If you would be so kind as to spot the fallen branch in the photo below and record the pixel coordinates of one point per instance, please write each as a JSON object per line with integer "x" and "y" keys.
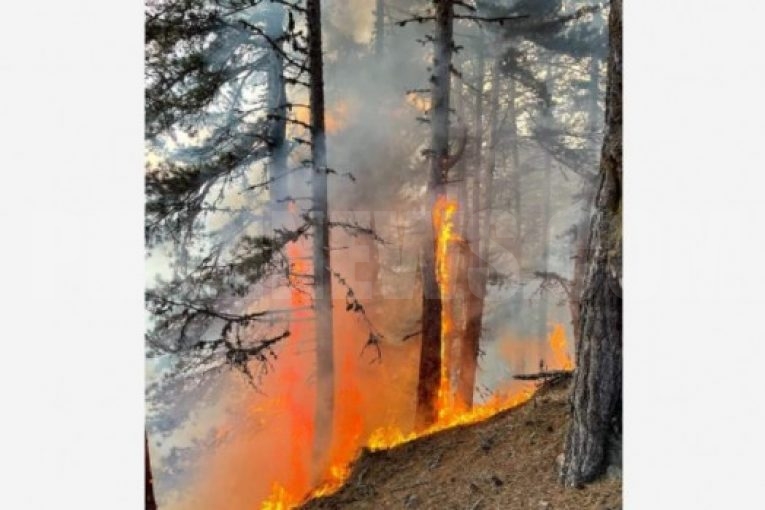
{"x": 546, "y": 375}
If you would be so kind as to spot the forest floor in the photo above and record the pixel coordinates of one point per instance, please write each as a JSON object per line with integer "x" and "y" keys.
{"x": 509, "y": 461}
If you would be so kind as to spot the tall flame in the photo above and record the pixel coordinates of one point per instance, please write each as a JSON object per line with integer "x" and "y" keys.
{"x": 443, "y": 225}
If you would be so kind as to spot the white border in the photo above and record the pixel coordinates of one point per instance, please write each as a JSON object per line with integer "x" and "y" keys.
{"x": 72, "y": 258}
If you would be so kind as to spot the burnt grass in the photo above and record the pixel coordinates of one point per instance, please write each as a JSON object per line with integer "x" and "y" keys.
{"x": 509, "y": 461}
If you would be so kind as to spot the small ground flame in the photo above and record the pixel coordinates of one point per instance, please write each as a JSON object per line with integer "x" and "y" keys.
{"x": 388, "y": 437}
{"x": 279, "y": 499}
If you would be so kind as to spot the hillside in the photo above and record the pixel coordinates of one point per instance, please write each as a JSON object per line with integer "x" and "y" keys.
{"x": 505, "y": 462}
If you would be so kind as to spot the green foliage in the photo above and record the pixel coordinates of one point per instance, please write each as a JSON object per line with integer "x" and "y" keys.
{"x": 208, "y": 65}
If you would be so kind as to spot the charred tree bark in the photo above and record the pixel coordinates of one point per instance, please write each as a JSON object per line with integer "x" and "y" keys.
{"x": 325, "y": 394}
{"x": 151, "y": 502}
{"x": 593, "y": 440}
{"x": 430, "y": 351}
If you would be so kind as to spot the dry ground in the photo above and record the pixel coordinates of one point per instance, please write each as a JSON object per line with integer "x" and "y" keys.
{"x": 506, "y": 462}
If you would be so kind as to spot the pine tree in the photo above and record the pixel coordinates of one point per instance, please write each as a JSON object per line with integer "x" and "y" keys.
{"x": 205, "y": 63}
{"x": 594, "y": 434}
{"x": 322, "y": 274}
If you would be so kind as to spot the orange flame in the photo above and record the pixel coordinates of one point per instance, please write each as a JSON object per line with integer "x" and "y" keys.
{"x": 560, "y": 349}
{"x": 388, "y": 437}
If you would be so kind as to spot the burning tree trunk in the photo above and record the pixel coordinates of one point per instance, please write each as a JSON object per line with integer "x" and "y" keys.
{"x": 322, "y": 276}
{"x": 430, "y": 351}
{"x": 595, "y": 430}
{"x": 151, "y": 503}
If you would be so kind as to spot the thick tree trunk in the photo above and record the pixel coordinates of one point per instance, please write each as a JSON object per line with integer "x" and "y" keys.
{"x": 593, "y": 440}
{"x": 321, "y": 253}
{"x": 430, "y": 351}
{"x": 588, "y": 194}
{"x": 151, "y": 503}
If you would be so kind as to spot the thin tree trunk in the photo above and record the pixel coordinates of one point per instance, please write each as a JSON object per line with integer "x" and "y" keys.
{"x": 321, "y": 253}
{"x": 474, "y": 293}
{"x": 372, "y": 269}
{"x": 544, "y": 300}
{"x": 379, "y": 27}
{"x": 461, "y": 282}
{"x": 430, "y": 351}
{"x": 277, "y": 105}
{"x": 516, "y": 302}
{"x": 594, "y": 436}
{"x": 151, "y": 502}
{"x": 545, "y": 235}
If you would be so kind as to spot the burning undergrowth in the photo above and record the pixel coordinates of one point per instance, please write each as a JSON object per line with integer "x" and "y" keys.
{"x": 263, "y": 458}
{"x": 505, "y": 461}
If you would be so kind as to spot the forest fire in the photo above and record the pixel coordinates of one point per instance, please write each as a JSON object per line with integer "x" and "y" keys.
{"x": 349, "y": 429}
{"x": 389, "y": 437}
{"x": 378, "y": 349}
{"x": 385, "y": 438}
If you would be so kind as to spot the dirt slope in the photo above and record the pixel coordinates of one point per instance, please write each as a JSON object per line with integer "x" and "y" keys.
{"x": 506, "y": 462}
